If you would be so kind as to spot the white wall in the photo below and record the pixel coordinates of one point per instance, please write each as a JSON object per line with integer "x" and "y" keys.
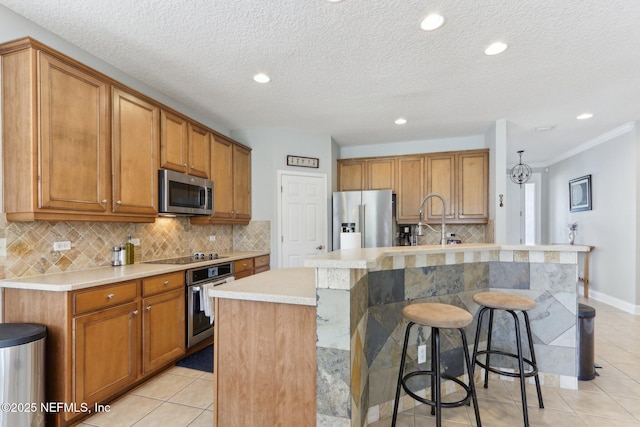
{"x": 612, "y": 224}
{"x": 414, "y": 147}
{"x": 496, "y": 141}
{"x": 270, "y": 148}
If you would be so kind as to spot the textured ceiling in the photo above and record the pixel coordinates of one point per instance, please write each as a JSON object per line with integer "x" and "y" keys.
{"x": 349, "y": 69}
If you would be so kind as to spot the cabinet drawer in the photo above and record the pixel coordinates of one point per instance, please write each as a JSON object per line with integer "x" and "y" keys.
{"x": 261, "y": 269}
{"x": 104, "y": 297}
{"x": 242, "y": 265}
{"x": 164, "y": 282}
{"x": 261, "y": 261}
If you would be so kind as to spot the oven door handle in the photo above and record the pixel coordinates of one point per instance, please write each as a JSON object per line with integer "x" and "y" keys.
{"x": 195, "y": 289}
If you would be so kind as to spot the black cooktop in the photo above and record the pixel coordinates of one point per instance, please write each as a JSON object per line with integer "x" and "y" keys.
{"x": 199, "y": 257}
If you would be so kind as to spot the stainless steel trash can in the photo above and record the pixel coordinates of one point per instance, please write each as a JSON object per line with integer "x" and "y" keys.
{"x": 22, "y": 374}
{"x": 586, "y": 324}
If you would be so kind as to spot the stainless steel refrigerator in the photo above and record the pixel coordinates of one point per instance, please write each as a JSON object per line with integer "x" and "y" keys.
{"x": 370, "y": 213}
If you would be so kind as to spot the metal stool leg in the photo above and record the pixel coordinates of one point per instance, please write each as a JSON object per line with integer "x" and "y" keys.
{"x": 470, "y": 372}
{"x": 477, "y": 341}
{"x": 436, "y": 332}
{"x": 533, "y": 358}
{"x": 488, "y": 362}
{"x": 433, "y": 369}
{"x": 523, "y": 390}
{"x": 404, "y": 354}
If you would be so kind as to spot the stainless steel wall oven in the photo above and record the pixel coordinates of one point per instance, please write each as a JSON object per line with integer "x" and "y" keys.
{"x": 199, "y": 325}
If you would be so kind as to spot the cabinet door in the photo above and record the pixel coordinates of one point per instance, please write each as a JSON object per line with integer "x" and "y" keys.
{"x": 222, "y": 177}
{"x": 105, "y": 347}
{"x": 410, "y": 189}
{"x": 241, "y": 183}
{"x": 352, "y": 175}
{"x": 473, "y": 185}
{"x": 173, "y": 142}
{"x": 135, "y": 142}
{"x": 381, "y": 174}
{"x": 441, "y": 174}
{"x": 163, "y": 329}
{"x": 199, "y": 151}
{"x": 74, "y": 150}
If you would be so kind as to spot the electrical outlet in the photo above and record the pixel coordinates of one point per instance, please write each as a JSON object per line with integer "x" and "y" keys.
{"x": 212, "y": 238}
{"x": 422, "y": 353}
{"x": 136, "y": 242}
{"x": 62, "y": 246}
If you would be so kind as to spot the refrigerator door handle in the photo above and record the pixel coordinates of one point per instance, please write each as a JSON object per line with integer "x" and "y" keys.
{"x": 363, "y": 224}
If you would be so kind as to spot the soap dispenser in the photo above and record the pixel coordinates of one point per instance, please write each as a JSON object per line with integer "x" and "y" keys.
{"x": 128, "y": 247}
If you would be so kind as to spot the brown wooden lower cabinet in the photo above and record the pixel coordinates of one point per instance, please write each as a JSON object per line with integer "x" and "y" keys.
{"x": 104, "y": 340}
{"x": 250, "y": 266}
{"x": 264, "y": 364}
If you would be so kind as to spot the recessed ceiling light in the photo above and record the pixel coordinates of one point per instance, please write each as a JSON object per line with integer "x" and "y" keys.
{"x": 261, "y": 78}
{"x": 495, "y": 48}
{"x": 432, "y": 22}
{"x": 584, "y": 116}
{"x": 400, "y": 121}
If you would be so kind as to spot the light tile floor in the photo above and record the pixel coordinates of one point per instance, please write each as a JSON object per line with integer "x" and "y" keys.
{"x": 184, "y": 397}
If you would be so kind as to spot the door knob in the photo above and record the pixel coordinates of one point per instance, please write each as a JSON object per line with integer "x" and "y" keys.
{"x": 320, "y": 248}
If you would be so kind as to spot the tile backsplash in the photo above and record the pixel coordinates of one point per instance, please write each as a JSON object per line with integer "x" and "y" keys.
{"x": 26, "y": 248}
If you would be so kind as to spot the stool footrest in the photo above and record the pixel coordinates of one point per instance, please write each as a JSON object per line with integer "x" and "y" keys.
{"x": 429, "y": 402}
{"x": 531, "y": 373}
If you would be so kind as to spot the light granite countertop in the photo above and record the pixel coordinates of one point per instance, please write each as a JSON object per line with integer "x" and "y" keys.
{"x": 369, "y": 257}
{"x": 74, "y": 280}
{"x": 285, "y": 286}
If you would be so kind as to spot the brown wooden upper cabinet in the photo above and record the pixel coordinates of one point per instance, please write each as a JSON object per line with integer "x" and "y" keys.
{"x": 463, "y": 180}
{"x": 184, "y": 146}
{"x": 367, "y": 174}
{"x": 135, "y": 174}
{"x": 410, "y": 188}
{"x": 461, "y": 177}
{"x": 231, "y": 176}
{"x": 72, "y": 146}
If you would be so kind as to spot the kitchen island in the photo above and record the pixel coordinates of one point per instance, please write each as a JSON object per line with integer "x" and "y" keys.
{"x": 361, "y": 292}
{"x": 265, "y": 349}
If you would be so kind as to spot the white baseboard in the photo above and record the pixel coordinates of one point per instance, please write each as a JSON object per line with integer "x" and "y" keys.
{"x": 614, "y": 302}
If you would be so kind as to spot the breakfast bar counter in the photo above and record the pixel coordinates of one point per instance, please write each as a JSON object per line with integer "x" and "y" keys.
{"x": 361, "y": 293}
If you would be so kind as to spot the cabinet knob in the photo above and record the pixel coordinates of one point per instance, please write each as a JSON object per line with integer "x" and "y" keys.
{"x": 104, "y": 201}
{"x": 119, "y": 202}
{"x": 135, "y": 312}
{"x": 166, "y": 282}
{"x": 193, "y": 167}
{"x": 110, "y": 296}
{"x": 148, "y": 308}
{"x": 184, "y": 165}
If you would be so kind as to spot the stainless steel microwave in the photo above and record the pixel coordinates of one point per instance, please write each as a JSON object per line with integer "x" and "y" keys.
{"x": 182, "y": 194}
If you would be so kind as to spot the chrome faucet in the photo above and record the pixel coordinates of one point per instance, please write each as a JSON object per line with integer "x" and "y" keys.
{"x": 443, "y": 238}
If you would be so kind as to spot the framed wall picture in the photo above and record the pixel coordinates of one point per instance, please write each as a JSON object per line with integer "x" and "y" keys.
{"x": 580, "y": 194}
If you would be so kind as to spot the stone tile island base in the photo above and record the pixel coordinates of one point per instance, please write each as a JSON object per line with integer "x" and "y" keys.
{"x": 361, "y": 293}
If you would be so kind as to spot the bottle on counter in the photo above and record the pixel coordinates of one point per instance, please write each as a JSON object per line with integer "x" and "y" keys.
{"x": 128, "y": 248}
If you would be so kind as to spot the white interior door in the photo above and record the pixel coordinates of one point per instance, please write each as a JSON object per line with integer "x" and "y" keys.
{"x": 302, "y": 217}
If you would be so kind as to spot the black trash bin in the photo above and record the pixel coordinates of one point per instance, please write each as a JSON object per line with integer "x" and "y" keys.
{"x": 22, "y": 374}
{"x": 586, "y": 324}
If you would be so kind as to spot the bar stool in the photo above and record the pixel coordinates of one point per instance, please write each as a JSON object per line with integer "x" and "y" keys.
{"x": 436, "y": 316}
{"x": 511, "y": 303}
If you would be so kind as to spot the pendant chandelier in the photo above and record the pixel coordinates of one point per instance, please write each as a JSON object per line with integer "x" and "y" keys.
{"x": 521, "y": 172}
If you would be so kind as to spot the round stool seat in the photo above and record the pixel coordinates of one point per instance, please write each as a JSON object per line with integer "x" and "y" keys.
{"x": 437, "y": 315}
{"x": 504, "y": 301}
